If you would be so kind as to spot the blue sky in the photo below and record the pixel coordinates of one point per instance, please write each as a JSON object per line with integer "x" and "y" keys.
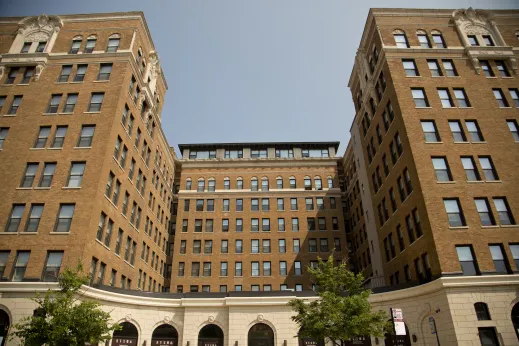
{"x": 241, "y": 70}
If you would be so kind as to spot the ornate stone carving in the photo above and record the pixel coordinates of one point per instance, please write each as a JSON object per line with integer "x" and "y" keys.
{"x": 477, "y": 67}
{"x": 513, "y": 62}
{"x": 38, "y": 36}
{"x": 128, "y": 318}
{"x": 41, "y": 22}
{"x": 210, "y": 319}
{"x": 142, "y": 97}
{"x": 167, "y": 319}
{"x": 2, "y": 71}
{"x": 471, "y": 16}
{"x": 38, "y": 71}
{"x": 260, "y": 318}
{"x": 476, "y": 30}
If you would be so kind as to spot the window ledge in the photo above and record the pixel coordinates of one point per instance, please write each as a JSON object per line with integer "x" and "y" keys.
{"x": 509, "y": 226}
{"x": 9, "y": 115}
{"x": 24, "y": 188}
{"x": 73, "y": 82}
{"x": 506, "y": 107}
{"x": 99, "y": 112}
{"x": 66, "y": 113}
{"x": 413, "y": 76}
{"x": 55, "y": 148}
{"x": 480, "y": 142}
{"x": 101, "y": 81}
{"x": 459, "y": 227}
{"x": 71, "y": 187}
{"x": 36, "y": 148}
{"x": 42, "y": 188}
{"x": 63, "y": 233}
{"x": 475, "y": 181}
{"x": 434, "y": 142}
{"x": 493, "y": 181}
{"x": 446, "y": 182}
{"x": 461, "y": 142}
{"x": 49, "y": 113}
{"x": 82, "y": 148}
{"x": 490, "y": 227}
{"x": 423, "y": 107}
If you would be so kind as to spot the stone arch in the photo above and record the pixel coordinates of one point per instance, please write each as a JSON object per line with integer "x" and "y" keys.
{"x": 5, "y": 322}
{"x": 165, "y": 332}
{"x": 77, "y": 37}
{"x": 421, "y": 32}
{"x": 398, "y": 31}
{"x": 92, "y": 37}
{"x": 115, "y": 35}
{"x": 130, "y": 328}
{"x": 219, "y": 341}
{"x": 258, "y": 321}
{"x": 436, "y": 32}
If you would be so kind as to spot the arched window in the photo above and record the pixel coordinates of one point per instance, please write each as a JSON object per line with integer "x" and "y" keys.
{"x": 318, "y": 183}
{"x": 226, "y": 183}
{"x": 76, "y": 44}
{"x": 164, "y": 334}
{"x": 201, "y": 185}
{"x": 211, "y": 334}
{"x": 113, "y": 43}
{"x": 438, "y": 40}
{"x": 264, "y": 184}
{"x": 400, "y": 39}
{"x": 279, "y": 182}
{"x": 188, "y": 184}
{"x": 90, "y": 44}
{"x": 482, "y": 311}
{"x": 4, "y": 326}
{"x": 139, "y": 56}
{"x": 128, "y": 335}
{"x": 330, "y": 182}
{"x": 239, "y": 183}
{"x": 423, "y": 39}
{"x": 261, "y": 334}
{"x": 211, "y": 184}
{"x": 292, "y": 181}
{"x": 254, "y": 184}
{"x": 308, "y": 183}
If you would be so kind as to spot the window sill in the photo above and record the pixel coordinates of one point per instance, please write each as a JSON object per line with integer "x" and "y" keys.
{"x": 459, "y": 227}
{"x": 493, "y": 181}
{"x": 55, "y": 148}
{"x": 101, "y": 81}
{"x": 490, "y": 227}
{"x": 57, "y": 233}
{"x": 509, "y": 226}
{"x": 9, "y": 115}
{"x": 81, "y": 147}
{"x": 423, "y": 107}
{"x": 49, "y": 114}
{"x": 506, "y": 107}
{"x": 480, "y": 142}
{"x": 10, "y": 233}
{"x": 36, "y": 148}
{"x": 413, "y": 76}
{"x": 42, "y": 188}
{"x": 23, "y": 188}
{"x": 71, "y": 187}
{"x": 103, "y": 245}
{"x": 474, "y": 181}
{"x": 434, "y": 142}
{"x": 66, "y": 113}
{"x": 73, "y": 82}
{"x": 112, "y": 203}
{"x": 98, "y": 112}
{"x": 446, "y": 182}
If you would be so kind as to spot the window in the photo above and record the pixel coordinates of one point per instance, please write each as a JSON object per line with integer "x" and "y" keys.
{"x": 254, "y": 184}
{"x": 52, "y": 266}
{"x": 410, "y": 68}
{"x": 239, "y": 184}
{"x": 264, "y": 184}
{"x": 441, "y": 169}
{"x": 401, "y": 40}
{"x": 281, "y": 225}
{"x": 86, "y": 136}
{"x": 293, "y": 203}
{"x": 450, "y": 69}
{"x": 267, "y": 268}
{"x": 292, "y": 181}
{"x": 11, "y": 77}
{"x": 474, "y": 131}
{"x": 209, "y": 226}
{"x": 500, "y": 261}
{"x": 233, "y": 154}
{"x": 255, "y": 269}
{"x": 226, "y": 206}
{"x": 503, "y": 211}
{"x": 65, "y": 214}
{"x": 211, "y": 184}
{"x": 239, "y": 225}
{"x": 26, "y": 47}
{"x": 30, "y": 173}
{"x": 69, "y": 105}
{"x": 401, "y": 189}
{"x": 113, "y": 44}
{"x": 265, "y": 205}
{"x": 297, "y": 268}
{"x": 434, "y": 67}
{"x": 48, "y": 174}
{"x": 320, "y": 203}
{"x": 225, "y": 225}
{"x": 461, "y": 97}
{"x": 488, "y": 168}
{"x": 265, "y": 225}
{"x": 454, "y": 212}
{"x": 485, "y": 214}
{"x": 29, "y": 71}
{"x": 323, "y": 245}
{"x": 80, "y": 73}
{"x": 309, "y": 203}
{"x": 15, "y": 218}
{"x": 238, "y": 271}
{"x": 104, "y": 72}
{"x": 90, "y": 44}
{"x": 420, "y": 100}
{"x": 310, "y": 224}
{"x": 430, "y": 132}
{"x": 333, "y": 203}
{"x": 261, "y": 153}
{"x": 282, "y": 246}
{"x": 445, "y": 98}
{"x": 438, "y": 40}
{"x": 208, "y": 247}
{"x": 514, "y": 248}
{"x": 4, "y": 257}
{"x": 76, "y": 44}
{"x": 500, "y": 98}
{"x": 118, "y": 242}
{"x": 487, "y": 70}
{"x": 512, "y": 125}
{"x": 22, "y": 259}
{"x": 76, "y": 174}
{"x": 238, "y": 246}
{"x": 501, "y": 67}
{"x": 473, "y": 41}
{"x": 295, "y": 224}
{"x": 265, "y": 246}
{"x": 296, "y": 246}
{"x": 457, "y": 131}
{"x": 314, "y": 153}
{"x": 488, "y": 336}
{"x": 424, "y": 40}
{"x": 5, "y": 130}
{"x": 466, "y": 258}
{"x": 312, "y": 245}
{"x": 96, "y": 101}
{"x": 321, "y": 221}
{"x": 195, "y": 269}
{"x": 17, "y": 100}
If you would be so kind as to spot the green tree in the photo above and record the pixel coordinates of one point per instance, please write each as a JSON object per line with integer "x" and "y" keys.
{"x": 61, "y": 319}
{"x": 342, "y": 311}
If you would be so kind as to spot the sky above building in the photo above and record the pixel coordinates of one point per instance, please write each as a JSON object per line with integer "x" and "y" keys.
{"x": 247, "y": 71}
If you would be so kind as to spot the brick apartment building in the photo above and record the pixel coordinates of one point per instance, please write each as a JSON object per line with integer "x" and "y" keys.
{"x": 86, "y": 169}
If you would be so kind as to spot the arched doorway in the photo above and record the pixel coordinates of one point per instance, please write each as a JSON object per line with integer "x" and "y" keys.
{"x": 127, "y": 336}
{"x": 398, "y": 340}
{"x": 308, "y": 341}
{"x": 210, "y": 335}
{"x": 4, "y": 327}
{"x": 261, "y": 334}
{"x": 515, "y": 319}
{"x": 164, "y": 334}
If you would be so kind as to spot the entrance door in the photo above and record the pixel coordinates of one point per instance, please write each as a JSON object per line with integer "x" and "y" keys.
{"x": 261, "y": 334}
{"x": 127, "y": 336}
{"x": 210, "y": 335}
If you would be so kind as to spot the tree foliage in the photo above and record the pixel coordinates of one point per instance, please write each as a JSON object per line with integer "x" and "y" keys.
{"x": 61, "y": 319}
{"x": 343, "y": 310}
